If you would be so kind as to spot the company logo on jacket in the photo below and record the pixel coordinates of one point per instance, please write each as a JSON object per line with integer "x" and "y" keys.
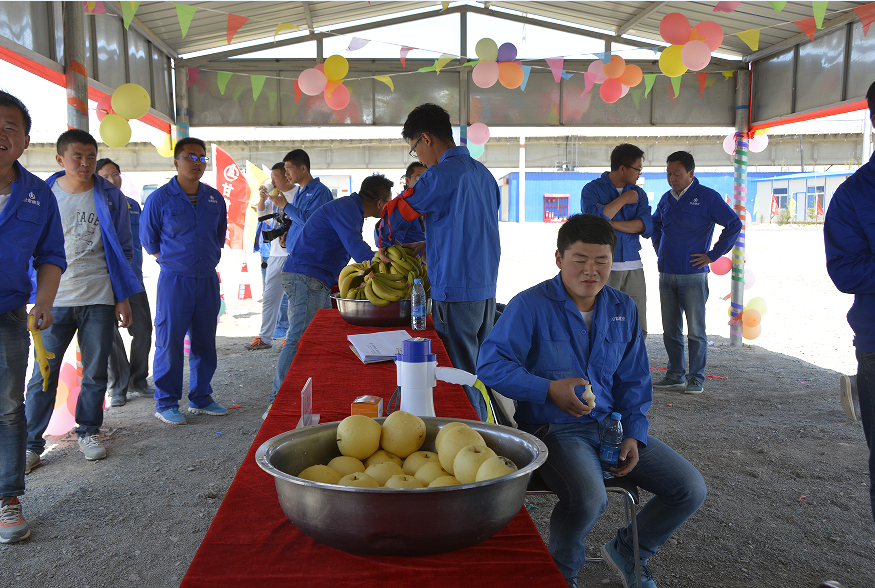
{"x": 618, "y": 318}
{"x": 31, "y": 199}
{"x": 695, "y": 202}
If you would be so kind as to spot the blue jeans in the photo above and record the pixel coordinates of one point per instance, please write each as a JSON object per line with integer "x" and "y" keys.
{"x": 282, "y": 319}
{"x": 96, "y": 325}
{"x": 462, "y": 326}
{"x": 573, "y": 472}
{"x": 14, "y": 343}
{"x": 306, "y": 296}
{"x": 866, "y": 391}
{"x": 679, "y": 295}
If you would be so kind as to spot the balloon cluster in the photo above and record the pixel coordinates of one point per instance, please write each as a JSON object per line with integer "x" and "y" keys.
{"x": 615, "y": 77}
{"x": 327, "y": 78}
{"x": 751, "y": 317}
{"x": 756, "y": 143}
{"x": 690, "y": 47}
{"x": 127, "y": 102}
{"x": 478, "y": 135}
{"x": 164, "y": 145}
{"x": 497, "y": 64}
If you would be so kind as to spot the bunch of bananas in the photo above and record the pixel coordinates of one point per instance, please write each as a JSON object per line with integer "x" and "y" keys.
{"x": 380, "y": 282}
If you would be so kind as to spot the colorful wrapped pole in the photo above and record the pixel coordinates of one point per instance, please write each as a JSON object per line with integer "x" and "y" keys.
{"x": 742, "y": 125}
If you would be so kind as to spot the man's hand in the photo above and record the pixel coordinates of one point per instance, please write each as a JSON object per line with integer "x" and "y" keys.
{"x": 123, "y": 313}
{"x": 628, "y": 457}
{"x": 262, "y": 194}
{"x": 561, "y": 392}
{"x": 628, "y": 197}
{"x": 417, "y": 248}
{"x": 700, "y": 260}
{"x": 42, "y": 316}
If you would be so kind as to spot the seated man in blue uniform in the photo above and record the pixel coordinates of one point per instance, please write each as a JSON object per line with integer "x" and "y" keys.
{"x": 550, "y": 341}
{"x": 183, "y": 225}
{"x": 332, "y": 236}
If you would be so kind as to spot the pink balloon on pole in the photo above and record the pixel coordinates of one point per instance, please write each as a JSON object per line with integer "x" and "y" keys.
{"x": 729, "y": 144}
{"x": 749, "y": 279}
{"x": 758, "y": 143}
{"x": 595, "y": 68}
{"x": 721, "y": 266}
{"x": 696, "y": 55}
{"x": 611, "y": 90}
{"x": 485, "y": 74}
{"x": 478, "y": 133}
{"x": 312, "y": 81}
{"x": 710, "y": 32}
{"x": 674, "y": 28}
{"x": 339, "y": 97}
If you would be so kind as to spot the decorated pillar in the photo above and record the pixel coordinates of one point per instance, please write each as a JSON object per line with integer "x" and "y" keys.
{"x": 739, "y": 203}
{"x": 182, "y": 111}
{"x": 75, "y": 72}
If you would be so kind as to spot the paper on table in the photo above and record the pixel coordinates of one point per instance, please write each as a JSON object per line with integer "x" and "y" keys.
{"x": 380, "y": 346}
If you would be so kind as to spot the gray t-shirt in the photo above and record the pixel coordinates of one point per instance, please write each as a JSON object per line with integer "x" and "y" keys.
{"x": 86, "y": 281}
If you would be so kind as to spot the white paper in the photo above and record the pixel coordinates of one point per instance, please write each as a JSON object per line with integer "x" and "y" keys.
{"x": 380, "y": 346}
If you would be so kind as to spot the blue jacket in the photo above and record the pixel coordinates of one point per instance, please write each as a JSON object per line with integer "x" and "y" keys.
{"x": 538, "y": 339}
{"x": 331, "y": 236}
{"x": 137, "y": 262}
{"x": 307, "y": 200}
{"x": 601, "y": 191}
{"x": 684, "y": 227}
{"x": 460, "y": 200}
{"x": 115, "y": 230}
{"x": 30, "y": 235}
{"x": 405, "y": 232}
{"x": 188, "y": 241}
{"x": 849, "y": 237}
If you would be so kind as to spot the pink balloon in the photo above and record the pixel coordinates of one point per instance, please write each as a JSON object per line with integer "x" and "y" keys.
{"x": 104, "y": 107}
{"x": 758, "y": 143}
{"x": 696, "y": 55}
{"x": 312, "y": 81}
{"x": 339, "y": 98}
{"x": 478, "y": 133}
{"x": 710, "y": 32}
{"x": 611, "y": 90}
{"x": 625, "y": 90}
{"x": 595, "y": 68}
{"x": 721, "y": 266}
{"x": 749, "y": 278}
{"x": 485, "y": 74}
{"x": 674, "y": 28}
{"x": 61, "y": 421}
{"x": 729, "y": 144}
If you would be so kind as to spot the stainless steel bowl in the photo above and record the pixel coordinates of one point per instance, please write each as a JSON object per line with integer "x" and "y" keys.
{"x": 366, "y": 314}
{"x": 380, "y": 521}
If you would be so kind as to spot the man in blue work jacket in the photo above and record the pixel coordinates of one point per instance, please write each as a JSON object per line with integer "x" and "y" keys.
{"x": 406, "y": 231}
{"x": 331, "y": 236}
{"x": 616, "y": 197}
{"x": 683, "y": 226}
{"x": 849, "y": 237}
{"x": 550, "y": 341}
{"x": 92, "y": 298}
{"x": 30, "y": 236}
{"x": 183, "y": 225}
{"x": 459, "y": 200}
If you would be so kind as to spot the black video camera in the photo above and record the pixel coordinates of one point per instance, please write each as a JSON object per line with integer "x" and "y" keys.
{"x": 284, "y": 224}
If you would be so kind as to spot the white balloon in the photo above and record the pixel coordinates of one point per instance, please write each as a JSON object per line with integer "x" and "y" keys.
{"x": 758, "y": 143}
{"x": 729, "y": 144}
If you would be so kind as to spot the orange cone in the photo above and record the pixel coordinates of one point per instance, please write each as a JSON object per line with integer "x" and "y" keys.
{"x": 245, "y": 290}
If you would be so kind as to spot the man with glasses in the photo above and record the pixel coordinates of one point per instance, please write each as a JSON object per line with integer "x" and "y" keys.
{"x": 616, "y": 197}
{"x": 183, "y": 225}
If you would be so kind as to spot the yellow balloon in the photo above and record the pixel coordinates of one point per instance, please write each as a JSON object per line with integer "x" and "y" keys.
{"x": 130, "y": 101}
{"x": 336, "y": 67}
{"x": 166, "y": 148}
{"x": 486, "y": 49}
{"x": 669, "y": 62}
{"x": 115, "y": 130}
{"x": 758, "y": 304}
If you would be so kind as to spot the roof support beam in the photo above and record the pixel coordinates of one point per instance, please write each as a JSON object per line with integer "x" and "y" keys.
{"x": 306, "y": 7}
{"x": 629, "y": 24}
{"x": 828, "y": 27}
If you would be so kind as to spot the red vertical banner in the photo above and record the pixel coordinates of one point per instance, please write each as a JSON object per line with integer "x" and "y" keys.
{"x": 818, "y": 209}
{"x": 235, "y": 189}
{"x": 774, "y": 208}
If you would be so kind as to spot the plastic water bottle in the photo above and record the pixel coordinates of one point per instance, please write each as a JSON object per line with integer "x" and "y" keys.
{"x": 417, "y": 306}
{"x": 609, "y": 451}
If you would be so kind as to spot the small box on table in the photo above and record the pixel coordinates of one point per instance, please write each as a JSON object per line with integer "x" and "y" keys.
{"x": 371, "y": 406}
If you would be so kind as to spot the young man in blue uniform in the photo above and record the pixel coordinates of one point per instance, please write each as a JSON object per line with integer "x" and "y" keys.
{"x": 683, "y": 225}
{"x": 30, "y": 236}
{"x": 129, "y": 377}
{"x": 184, "y": 224}
{"x": 332, "y": 235}
{"x": 616, "y": 197}
{"x": 550, "y": 341}
{"x": 849, "y": 237}
{"x": 459, "y": 200}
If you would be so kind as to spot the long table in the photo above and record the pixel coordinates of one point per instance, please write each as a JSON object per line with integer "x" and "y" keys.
{"x": 252, "y": 543}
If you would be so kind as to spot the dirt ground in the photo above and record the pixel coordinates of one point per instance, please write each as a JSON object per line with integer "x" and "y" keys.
{"x": 786, "y": 469}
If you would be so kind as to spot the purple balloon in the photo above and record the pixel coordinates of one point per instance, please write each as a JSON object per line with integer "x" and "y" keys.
{"x": 507, "y": 52}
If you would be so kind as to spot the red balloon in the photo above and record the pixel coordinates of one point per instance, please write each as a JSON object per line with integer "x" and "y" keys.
{"x": 710, "y": 32}
{"x": 674, "y": 28}
{"x": 721, "y": 266}
{"x": 339, "y": 97}
{"x": 104, "y": 107}
{"x": 611, "y": 90}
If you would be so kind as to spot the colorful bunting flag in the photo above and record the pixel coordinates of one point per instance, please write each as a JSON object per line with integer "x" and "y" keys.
{"x": 751, "y": 37}
{"x": 807, "y": 26}
{"x": 728, "y": 74}
{"x": 676, "y": 85}
{"x": 565, "y": 75}
{"x": 604, "y": 57}
{"x": 386, "y": 80}
{"x": 95, "y": 7}
{"x": 298, "y": 92}
{"x": 192, "y": 76}
{"x": 588, "y": 82}
{"x": 257, "y": 85}
{"x": 703, "y": 78}
{"x": 129, "y": 9}
{"x": 726, "y": 6}
{"x": 777, "y": 5}
{"x": 222, "y": 79}
{"x": 441, "y": 61}
{"x": 527, "y": 69}
{"x": 819, "y": 9}
{"x": 234, "y": 24}
{"x": 184, "y": 14}
{"x": 404, "y": 52}
{"x": 357, "y": 43}
{"x": 555, "y": 64}
{"x": 284, "y": 26}
{"x": 866, "y": 13}
{"x": 636, "y": 97}
{"x": 431, "y": 67}
{"x": 444, "y": 5}
{"x": 648, "y": 83}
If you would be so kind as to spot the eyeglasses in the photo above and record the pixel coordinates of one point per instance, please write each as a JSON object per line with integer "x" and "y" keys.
{"x": 412, "y": 151}
{"x": 195, "y": 158}
{"x": 108, "y": 176}
{"x": 638, "y": 169}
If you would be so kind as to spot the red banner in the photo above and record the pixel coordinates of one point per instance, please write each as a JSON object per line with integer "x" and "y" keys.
{"x": 774, "y": 209}
{"x": 234, "y": 188}
{"x": 818, "y": 208}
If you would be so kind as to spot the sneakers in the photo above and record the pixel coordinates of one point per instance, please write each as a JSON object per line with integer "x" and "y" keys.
{"x": 213, "y": 408}
{"x": 667, "y": 383}
{"x": 31, "y": 460}
{"x": 625, "y": 566}
{"x": 12, "y": 525}
{"x": 90, "y": 445}
{"x": 145, "y": 392}
{"x": 846, "y": 388}
{"x": 171, "y": 416}
{"x": 257, "y": 343}
{"x": 117, "y": 400}
{"x": 694, "y": 386}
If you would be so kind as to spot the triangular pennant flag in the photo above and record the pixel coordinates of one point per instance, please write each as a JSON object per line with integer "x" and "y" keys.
{"x": 298, "y": 92}
{"x": 404, "y": 52}
{"x": 237, "y": 91}
{"x": 648, "y": 83}
{"x": 636, "y": 97}
{"x": 777, "y": 5}
{"x": 444, "y": 59}
{"x": 656, "y": 51}
{"x": 703, "y": 78}
{"x": 284, "y": 26}
{"x": 676, "y": 85}
{"x": 184, "y": 14}
{"x": 751, "y": 37}
{"x": 429, "y": 68}
{"x": 866, "y": 13}
{"x": 234, "y": 24}
{"x": 257, "y": 85}
{"x": 565, "y": 75}
{"x": 445, "y": 5}
{"x": 819, "y": 9}
{"x": 471, "y": 63}
{"x": 357, "y": 43}
{"x": 527, "y": 69}
{"x": 192, "y": 76}
{"x": 726, "y": 6}
{"x": 386, "y": 80}
{"x": 710, "y": 83}
{"x": 807, "y": 26}
{"x": 588, "y": 82}
{"x": 604, "y": 57}
{"x": 555, "y": 64}
{"x": 257, "y": 172}
{"x": 95, "y": 7}
{"x": 129, "y": 9}
{"x": 222, "y": 79}
{"x": 728, "y": 74}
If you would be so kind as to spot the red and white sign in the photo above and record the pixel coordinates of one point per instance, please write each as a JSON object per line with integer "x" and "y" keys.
{"x": 235, "y": 189}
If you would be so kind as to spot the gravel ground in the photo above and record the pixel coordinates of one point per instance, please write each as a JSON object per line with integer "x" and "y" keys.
{"x": 786, "y": 470}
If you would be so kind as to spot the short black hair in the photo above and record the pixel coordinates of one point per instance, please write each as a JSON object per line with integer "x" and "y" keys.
{"x": 71, "y": 136}
{"x": 412, "y": 167}
{"x": 870, "y": 96}
{"x": 428, "y": 118}
{"x": 625, "y": 154}
{"x": 684, "y": 158}
{"x": 372, "y": 184}
{"x": 298, "y": 158}
{"x": 188, "y": 141}
{"x": 278, "y": 166}
{"x": 586, "y": 228}
{"x": 106, "y": 161}
{"x": 10, "y": 101}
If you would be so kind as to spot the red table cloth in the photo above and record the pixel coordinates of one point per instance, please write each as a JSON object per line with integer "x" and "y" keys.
{"x": 252, "y": 543}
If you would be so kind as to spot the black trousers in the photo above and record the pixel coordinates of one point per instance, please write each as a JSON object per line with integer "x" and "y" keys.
{"x": 123, "y": 373}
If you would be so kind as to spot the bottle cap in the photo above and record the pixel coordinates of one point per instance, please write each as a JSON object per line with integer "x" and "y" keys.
{"x": 417, "y": 281}
{"x": 616, "y": 416}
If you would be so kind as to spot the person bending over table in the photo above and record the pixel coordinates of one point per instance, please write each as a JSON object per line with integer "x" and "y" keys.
{"x": 550, "y": 341}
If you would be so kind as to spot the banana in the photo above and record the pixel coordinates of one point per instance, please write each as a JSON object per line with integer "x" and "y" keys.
{"x": 402, "y": 266}
{"x": 345, "y": 272}
{"x": 351, "y": 282}
{"x": 384, "y": 269}
{"x": 372, "y": 297}
{"x": 42, "y": 356}
{"x": 394, "y": 270}
{"x": 391, "y": 278}
{"x": 395, "y": 253}
{"x": 384, "y": 292}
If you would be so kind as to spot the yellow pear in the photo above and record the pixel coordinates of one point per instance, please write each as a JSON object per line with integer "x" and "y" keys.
{"x": 359, "y": 480}
{"x": 403, "y": 481}
{"x": 444, "y": 481}
{"x": 381, "y": 472}
{"x": 416, "y": 460}
{"x": 443, "y": 431}
{"x": 454, "y": 441}
{"x": 320, "y": 473}
{"x": 380, "y": 456}
{"x": 345, "y": 465}
{"x": 358, "y": 436}
{"x": 495, "y": 467}
{"x": 429, "y": 472}
{"x": 468, "y": 461}
{"x": 403, "y": 433}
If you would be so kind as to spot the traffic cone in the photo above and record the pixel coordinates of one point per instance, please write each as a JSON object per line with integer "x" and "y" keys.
{"x": 245, "y": 290}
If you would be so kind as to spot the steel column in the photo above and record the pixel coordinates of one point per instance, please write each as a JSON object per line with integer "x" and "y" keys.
{"x": 75, "y": 72}
{"x": 739, "y": 204}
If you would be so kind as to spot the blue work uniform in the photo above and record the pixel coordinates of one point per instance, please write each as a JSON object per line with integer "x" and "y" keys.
{"x": 600, "y": 192}
{"x": 135, "y": 212}
{"x": 307, "y": 200}
{"x": 405, "y": 232}
{"x": 189, "y": 243}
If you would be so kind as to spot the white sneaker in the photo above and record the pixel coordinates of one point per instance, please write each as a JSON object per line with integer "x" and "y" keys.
{"x": 90, "y": 445}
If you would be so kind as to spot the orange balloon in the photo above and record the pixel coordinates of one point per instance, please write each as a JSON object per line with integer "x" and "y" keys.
{"x": 751, "y": 318}
{"x": 751, "y": 332}
{"x": 615, "y": 68}
{"x": 510, "y": 74}
{"x": 632, "y": 76}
